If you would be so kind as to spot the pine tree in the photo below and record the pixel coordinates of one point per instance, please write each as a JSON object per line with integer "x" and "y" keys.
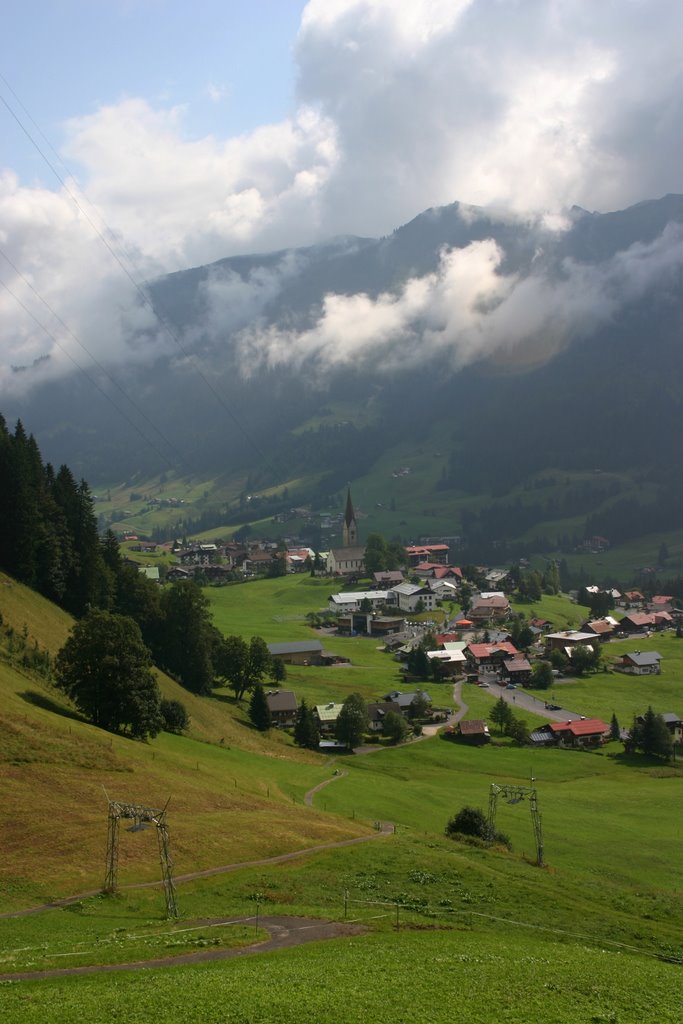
{"x": 259, "y": 712}
{"x": 614, "y": 730}
{"x": 501, "y": 714}
{"x": 306, "y": 732}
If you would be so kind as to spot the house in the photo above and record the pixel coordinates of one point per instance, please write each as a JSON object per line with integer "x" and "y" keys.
{"x": 451, "y": 659}
{"x": 489, "y": 607}
{"x": 675, "y": 725}
{"x": 497, "y": 578}
{"x": 602, "y": 628}
{"x": 567, "y": 639}
{"x": 543, "y": 737}
{"x": 631, "y": 599}
{"x": 387, "y": 578}
{"x": 177, "y": 575}
{"x": 326, "y": 716}
{"x": 582, "y": 732}
{"x": 640, "y": 663}
{"x": 517, "y": 670}
{"x": 437, "y": 571}
{"x": 378, "y": 711}
{"x": 637, "y": 622}
{"x": 354, "y": 623}
{"x": 490, "y": 657}
{"x": 443, "y": 590}
{"x": 282, "y": 706}
{"x": 661, "y": 603}
{"x": 410, "y": 597}
{"x": 404, "y": 700}
{"x": 475, "y": 732}
{"x": 299, "y": 652}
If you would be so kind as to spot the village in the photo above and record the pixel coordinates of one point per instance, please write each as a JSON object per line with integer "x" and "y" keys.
{"x": 440, "y": 626}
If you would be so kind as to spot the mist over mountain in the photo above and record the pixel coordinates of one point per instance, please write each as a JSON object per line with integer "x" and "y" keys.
{"x": 532, "y": 343}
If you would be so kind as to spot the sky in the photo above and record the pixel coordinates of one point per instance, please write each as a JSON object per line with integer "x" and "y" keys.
{"x": 182, "y": 134}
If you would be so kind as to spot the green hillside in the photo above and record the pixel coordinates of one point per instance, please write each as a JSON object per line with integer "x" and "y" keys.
{"x": 586, "y": 938}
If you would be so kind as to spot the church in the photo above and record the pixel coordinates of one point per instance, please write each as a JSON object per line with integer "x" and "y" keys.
{"x": 349, "y": 559}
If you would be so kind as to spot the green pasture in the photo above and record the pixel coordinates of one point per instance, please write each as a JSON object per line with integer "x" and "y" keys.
{"x": 556, "y": 608}
{"x": 604, "y": 693}
{"x": 489, "y": 931}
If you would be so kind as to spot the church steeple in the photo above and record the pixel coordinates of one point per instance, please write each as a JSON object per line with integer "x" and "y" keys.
{"x": 349, "y": 529}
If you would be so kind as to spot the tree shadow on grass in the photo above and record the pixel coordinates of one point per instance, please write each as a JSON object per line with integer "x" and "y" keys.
{"x": 41, "y": 700}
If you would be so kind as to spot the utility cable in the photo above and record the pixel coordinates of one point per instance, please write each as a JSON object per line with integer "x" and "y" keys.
{"x": 143, "y": 294}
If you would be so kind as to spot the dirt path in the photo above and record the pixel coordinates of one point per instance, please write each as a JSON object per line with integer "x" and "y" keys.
{"x": 207, "y": 873}
{"x": 431, "y": 730}
{"x": 308, "y": 798}
{"x": 285, "y": 932}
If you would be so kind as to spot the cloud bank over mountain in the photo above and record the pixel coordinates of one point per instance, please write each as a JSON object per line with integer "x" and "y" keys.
{"x": 529, "y": 107}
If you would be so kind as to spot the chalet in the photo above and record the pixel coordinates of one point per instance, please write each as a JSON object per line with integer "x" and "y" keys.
{"x": 497, "y": 578}
{"x": 451, "y": 660}
{"x": 640, "y": 663}
{"x": 177, "y": 575}
{"x": 404, "y": 700}
{"x": 387, "y": 578}
{"x": 517, "y": 670}
{"x": 410, "y": 597}
{"x": 378, "y": 711}
{"x": 489, "y": 607}
{"x": 443, "y": 590}
{"x": 475, "y": 732}
{"x": 631, "y": 599}
{"x": 674, "y": 724}
{"x": 603, "y": 629}
{"x": 637, "y": 622}
{"x": 258, "y": 561}
{"x": 326, "y": 716}
{"x": 581, "y": 732}
{"x": 282, "y": 706}
{"x": 437, "y": 571}
{"x": 490, "y": 657}
{"x": 661, "y": 603}
{"x": 299, "y": 652}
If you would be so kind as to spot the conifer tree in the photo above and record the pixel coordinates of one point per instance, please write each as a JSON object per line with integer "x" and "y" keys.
{"x": 259, "y": 712}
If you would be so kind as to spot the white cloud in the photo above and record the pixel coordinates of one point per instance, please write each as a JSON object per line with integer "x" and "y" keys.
{"x": 527, "y": 105}
{"x": 468, "y": 310}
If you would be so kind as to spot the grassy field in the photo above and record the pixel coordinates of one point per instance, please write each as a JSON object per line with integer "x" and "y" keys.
{"x": 491, "y": 932}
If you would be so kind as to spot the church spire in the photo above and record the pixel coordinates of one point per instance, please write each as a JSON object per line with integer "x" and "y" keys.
{"x": 349, "y": 529}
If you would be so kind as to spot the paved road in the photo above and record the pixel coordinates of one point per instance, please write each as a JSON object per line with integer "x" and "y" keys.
{"x": 523, "y": 699}
{"x": 284, "y": 932}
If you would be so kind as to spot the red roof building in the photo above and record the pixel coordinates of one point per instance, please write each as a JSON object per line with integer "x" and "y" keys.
{"x": 582, "y": 732}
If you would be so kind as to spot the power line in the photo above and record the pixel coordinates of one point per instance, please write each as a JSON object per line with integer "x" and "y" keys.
{"x": 180, "y": 458}
{"x": 139, "y": 289}
{"x": 85, "y": 373}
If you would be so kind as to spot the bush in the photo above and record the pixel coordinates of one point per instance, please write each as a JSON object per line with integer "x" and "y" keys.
{"x": 471, "y": 822}
{"x": 174, "y": 716}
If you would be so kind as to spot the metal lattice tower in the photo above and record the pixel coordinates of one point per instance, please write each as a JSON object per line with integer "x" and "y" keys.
{"x": 141, "y": 817}
{"x": 514, "y": 795}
